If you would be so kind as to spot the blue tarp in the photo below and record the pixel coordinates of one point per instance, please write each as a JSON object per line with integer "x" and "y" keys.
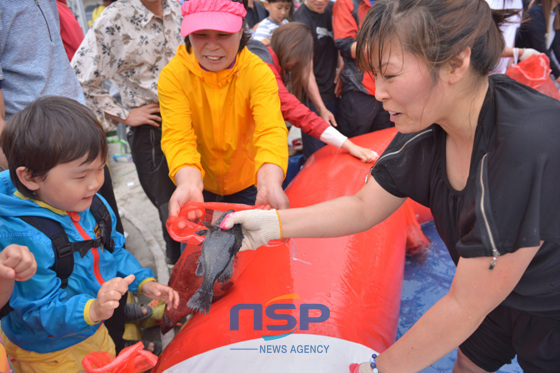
{"x": 427, "y": 278}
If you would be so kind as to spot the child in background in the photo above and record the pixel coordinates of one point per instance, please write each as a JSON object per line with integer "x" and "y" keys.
{"x": 55, "y": 174}
{"x": 278, "y": 11}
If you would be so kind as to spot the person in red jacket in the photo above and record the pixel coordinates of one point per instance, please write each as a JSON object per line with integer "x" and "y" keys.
{"x": 70, "y": 29}
{"x": 290, "y": 56}
{"x": 358, "y": 110}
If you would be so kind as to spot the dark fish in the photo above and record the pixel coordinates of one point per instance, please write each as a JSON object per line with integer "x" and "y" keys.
{"x": 216, "y": 261}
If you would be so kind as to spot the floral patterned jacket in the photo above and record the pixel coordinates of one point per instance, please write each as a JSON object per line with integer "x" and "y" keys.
{"x": 129, "y": 45}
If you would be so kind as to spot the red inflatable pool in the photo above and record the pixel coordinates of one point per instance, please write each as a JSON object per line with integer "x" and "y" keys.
{"x": 307, "y": 304}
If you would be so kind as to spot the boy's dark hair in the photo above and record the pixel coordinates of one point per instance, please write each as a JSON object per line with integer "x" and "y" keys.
{"x": 244, "y": 38}
{"x": 52, "y": 130}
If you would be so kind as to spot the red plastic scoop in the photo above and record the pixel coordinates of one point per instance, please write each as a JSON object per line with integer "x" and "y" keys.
{"x": 181, "y": 229}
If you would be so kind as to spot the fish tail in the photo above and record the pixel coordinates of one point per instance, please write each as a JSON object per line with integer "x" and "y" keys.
{"x": 200, "y": 301}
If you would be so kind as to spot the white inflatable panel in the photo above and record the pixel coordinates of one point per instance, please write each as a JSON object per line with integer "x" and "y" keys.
{"x": 296, "y": 353}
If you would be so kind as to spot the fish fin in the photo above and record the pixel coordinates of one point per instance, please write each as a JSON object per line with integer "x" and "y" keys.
{"x": 200, "y": 301}
{"x": 226, "y": 274}
{"x": 200, "y": 268}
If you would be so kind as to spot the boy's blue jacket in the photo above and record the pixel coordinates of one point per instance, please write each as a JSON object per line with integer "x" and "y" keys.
{"x": 47, "y": 318}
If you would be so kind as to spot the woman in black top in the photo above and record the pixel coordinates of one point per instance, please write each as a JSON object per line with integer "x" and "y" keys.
{"x": 482, "y": 152}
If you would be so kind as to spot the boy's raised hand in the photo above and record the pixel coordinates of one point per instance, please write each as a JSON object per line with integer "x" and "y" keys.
{"x": 17, "y": 262}
{"x": 108, "y": 298}
{"x": 164, "y": 293}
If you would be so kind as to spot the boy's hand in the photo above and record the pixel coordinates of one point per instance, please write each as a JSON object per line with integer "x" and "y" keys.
{"x": 17, "y": 262}
{"x": 108, "y": 298}
{"x": 157, "y": 291}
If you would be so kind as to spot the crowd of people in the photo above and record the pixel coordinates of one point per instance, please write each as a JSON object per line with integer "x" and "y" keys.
{"x": 206, "y": 89}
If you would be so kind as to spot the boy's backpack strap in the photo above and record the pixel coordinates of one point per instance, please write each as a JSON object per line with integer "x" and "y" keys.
{"x": 63, "y": 248}
{"x": 103, "y": 218}
{"x": 5, "y": 310}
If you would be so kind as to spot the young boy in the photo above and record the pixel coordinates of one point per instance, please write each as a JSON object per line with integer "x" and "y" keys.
{"x": 278, "y": 11}
{"x": 56, "y": 150}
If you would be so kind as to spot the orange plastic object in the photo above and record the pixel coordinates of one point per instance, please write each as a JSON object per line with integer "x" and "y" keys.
{"x": 358, "y": 278}
{"x": 535, "y": 73}
{"x": 181, "y": 229}
{"x": 132, "y": 359}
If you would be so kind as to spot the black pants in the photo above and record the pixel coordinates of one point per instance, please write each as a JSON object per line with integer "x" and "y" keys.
{"x": 246, "y": 196}
{"x": 109, "y": 194}
{"x": 114, "y": 325}
{"x": 507, "y": 332}
{"x": 310, "y": 143}
{"x": 153, "y": 174}
{"x": 359, "y": 113}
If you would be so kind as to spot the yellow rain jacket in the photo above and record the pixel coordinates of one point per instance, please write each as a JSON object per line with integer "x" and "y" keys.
{"x": 227, "y": 124}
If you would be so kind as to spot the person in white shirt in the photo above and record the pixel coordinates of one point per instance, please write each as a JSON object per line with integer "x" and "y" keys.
{"x": 130, "y": 43}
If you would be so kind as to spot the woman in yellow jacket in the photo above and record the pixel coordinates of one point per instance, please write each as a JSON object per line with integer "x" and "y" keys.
{"x": 223, "y": 131}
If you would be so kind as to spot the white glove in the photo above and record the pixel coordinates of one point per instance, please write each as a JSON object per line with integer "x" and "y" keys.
{"x": 524, "y": 53}
{"x": 259, "y": 227}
